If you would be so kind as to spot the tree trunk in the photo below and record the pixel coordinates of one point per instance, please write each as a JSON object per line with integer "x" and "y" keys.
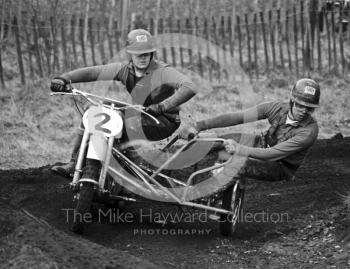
{"x": 2, "y": 80}
{"x": 2, "y": 36}
{"x": 56, "y": 62}
{"x": 124, "y": 18}
{"x": 36, "y": 45}
{"x": 19, "y": 51}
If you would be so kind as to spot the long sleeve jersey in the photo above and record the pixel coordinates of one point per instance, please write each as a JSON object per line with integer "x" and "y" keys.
{"x": 289, "y": 143}
{"x": 160, "y": 83}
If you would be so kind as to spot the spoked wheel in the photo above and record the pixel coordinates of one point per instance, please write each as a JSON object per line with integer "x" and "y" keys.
{"x": 232, "y": 201}
{"x": 86, "y": 194}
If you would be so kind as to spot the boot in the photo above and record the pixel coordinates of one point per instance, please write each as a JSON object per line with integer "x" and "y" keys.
{"x": 67, "y": 170}
{"x": 92, "y": 170}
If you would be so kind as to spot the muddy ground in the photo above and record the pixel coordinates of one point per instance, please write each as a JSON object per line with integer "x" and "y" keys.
{"x": 299, "y": 224}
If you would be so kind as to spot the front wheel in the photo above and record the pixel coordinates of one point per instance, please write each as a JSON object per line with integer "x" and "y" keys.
{"x": 232, "y": 201}
{"x": 82, "y": 209}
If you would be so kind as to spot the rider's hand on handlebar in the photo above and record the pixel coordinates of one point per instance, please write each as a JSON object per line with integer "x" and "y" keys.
{"x": 59, "y": 84}
{"x": 188, "y": 132}
{"x": 230, "y": 146}
{"x": 154, "y": 109}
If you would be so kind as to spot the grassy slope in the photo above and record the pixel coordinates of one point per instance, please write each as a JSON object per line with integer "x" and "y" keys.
{"x": 37, "y": 129}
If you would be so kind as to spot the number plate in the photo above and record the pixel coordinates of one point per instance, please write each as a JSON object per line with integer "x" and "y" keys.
{"x": 101, "y": 120}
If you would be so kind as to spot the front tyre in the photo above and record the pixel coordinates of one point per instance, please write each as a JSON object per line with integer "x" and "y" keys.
{"x": 86, "y": 194}
{"x": 232, "y": 201}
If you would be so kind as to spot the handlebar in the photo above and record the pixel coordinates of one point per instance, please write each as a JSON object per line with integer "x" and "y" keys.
{"x": 119, "y": 104}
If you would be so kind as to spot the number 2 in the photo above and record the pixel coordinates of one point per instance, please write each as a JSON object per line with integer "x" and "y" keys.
{"x": 106, "y": 118}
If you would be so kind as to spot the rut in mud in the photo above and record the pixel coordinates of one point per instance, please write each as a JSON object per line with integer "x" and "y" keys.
{"x": 296, "y": 224}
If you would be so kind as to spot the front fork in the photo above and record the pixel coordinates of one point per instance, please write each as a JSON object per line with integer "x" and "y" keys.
{"x": 105, "y": 161}
{"x": 105, "y": 164}
{"x": 81, "y": 157}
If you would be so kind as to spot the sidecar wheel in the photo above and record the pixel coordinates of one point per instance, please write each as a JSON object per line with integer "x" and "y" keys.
{"x": 83, "y": 206}
{"x": 232, "y": 201}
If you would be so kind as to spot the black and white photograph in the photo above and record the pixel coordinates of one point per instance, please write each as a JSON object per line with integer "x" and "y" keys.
{"x": 174, "y": 134}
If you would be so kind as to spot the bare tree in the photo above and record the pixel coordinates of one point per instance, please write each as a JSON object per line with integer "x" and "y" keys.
{"x": 2, "y": 42}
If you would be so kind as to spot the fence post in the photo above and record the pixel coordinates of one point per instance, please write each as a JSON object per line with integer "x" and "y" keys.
{"x": 248, "y": 44}
{"x": 287, "y": 41}
{"x": 206, "y": 34}
{"x": 296, "y": 41}
{"x": 82, "y": 42}
{"x": 199, "y": 45}
{"x": 100, "y": 40}
{"x": 318, "y": 36}
{"x": 161, "y": 31}
{"x": 223, "y": 40}
{"x": 334, "y": 41}
{"x": 72, "y": 37}
{"x": 265, "y": 42}
{"x": 239, "y": 41}
{"x": 92, "y": 40}
{"x": 307, "y": 52}
{"x": 19, "y": 51}
{"x": 36, "y": 44}
{"x": 215, "y": 37}
{"x": 341, "y": 40}
{"x": 109, "y": 38}
{"x": 302, "y": 30}
{"x": 255, "y": 47}
{"x": 328, "y": 41}
{"x": 230, "y": 35}
{"x": 272, "y": 40}
{"x": 2, "y": 80}
{"x": 280, "y": 37}
{"x": 189, "y": 39}
{"x": 151, "y": 26}
{"x": 180, "y": 41}
{"x": 172, "y": 48}
{"x": 116, "y": 36}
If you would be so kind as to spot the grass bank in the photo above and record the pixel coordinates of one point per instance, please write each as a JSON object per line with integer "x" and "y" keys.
{"x": 37, "y": 129}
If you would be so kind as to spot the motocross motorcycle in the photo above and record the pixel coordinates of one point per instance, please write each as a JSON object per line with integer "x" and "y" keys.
{"x": 124, "y": 178}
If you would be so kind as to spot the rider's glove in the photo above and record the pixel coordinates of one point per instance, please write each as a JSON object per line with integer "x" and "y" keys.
{"x": 231, "y": 146}
{"x": 155, "y": 109}
{"x": 59, "y": 84}
{"x": 188, "y": 132}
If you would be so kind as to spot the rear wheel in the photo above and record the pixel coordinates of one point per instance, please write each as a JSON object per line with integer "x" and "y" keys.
{"x": 83, "y": 207}
{"x": 232, "y": 201}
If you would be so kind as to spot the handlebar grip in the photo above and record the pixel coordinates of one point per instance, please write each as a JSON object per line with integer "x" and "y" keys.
{"x": 191, "y": 136}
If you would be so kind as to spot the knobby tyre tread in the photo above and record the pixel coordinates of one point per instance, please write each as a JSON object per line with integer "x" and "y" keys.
{"x": 232, "y": 201}
{"x": 86, "y": 195}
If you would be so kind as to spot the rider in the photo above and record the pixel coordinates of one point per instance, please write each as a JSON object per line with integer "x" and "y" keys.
{"x": 278, "y": 152}
{"x": 153, "y": 84}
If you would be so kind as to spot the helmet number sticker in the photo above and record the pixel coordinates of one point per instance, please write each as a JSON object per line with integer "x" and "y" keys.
{"x": 310, "y": 90}
{"x": 141, "y": 38}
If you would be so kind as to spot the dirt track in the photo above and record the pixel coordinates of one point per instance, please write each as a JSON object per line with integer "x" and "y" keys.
{"x": 297, "y": 224}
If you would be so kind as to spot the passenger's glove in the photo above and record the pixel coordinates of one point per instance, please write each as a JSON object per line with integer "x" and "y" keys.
{"x": 59, "y": 84}
{"x": 155, "y": 109}
{"x": 188, "y": 132}
{"x": 230, "y": 146}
